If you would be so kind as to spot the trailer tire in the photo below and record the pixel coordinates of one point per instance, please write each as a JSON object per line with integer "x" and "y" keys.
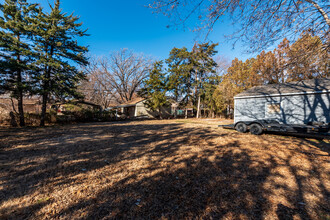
{"x": 241, "y": 127}
{"x": 256, "y": 129}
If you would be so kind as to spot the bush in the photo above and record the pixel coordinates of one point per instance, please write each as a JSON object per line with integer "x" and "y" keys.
{"x": 77, "y": 115}
{"x": 33, "y": 119}
{"x": 86, "y": 115}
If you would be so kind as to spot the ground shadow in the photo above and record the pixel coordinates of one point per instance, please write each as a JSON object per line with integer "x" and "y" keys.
{"x": 180, "y": 172}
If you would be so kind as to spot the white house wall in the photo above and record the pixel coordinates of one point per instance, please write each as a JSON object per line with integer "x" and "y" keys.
{"x": 296, "y": 109}
{"x": 142, "y": 110}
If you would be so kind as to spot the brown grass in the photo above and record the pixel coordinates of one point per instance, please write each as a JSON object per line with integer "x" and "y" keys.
{"x": 171, "y": 169}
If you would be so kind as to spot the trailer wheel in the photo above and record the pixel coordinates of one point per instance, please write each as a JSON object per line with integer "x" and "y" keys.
{"x": 241, "y": 127}
{"x": 256, "y": 129}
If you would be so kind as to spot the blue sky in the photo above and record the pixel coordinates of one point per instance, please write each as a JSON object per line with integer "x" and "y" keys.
{"x": 116, "y": 24}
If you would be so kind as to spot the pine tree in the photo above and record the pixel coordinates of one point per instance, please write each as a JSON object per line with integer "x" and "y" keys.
{"x": 180, "y": 75}
{"x": 58, "y": 54}
{"x": 15, "y": 50}
{"x": 204, "y": 65}
{"x": 155, "y": 89}
{"x": 210, "y": 86}
{"x": 188, "y": 72}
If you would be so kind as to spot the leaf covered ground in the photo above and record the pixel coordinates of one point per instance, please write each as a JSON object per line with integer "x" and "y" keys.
{"x": 170, "y": 169}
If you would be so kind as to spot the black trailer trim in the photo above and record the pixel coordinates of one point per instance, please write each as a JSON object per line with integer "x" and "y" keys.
{"x": 274, "y": 126}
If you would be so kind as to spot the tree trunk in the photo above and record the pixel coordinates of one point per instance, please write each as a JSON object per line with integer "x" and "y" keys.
{"x": 160, "y": 113}
{"x": 45, "y": 97}
{"x": 198, "y": 107}
{"x": 20, "y": 92}
{"x": 43, "y": 108}
{"x": 13, "y": 105}
{"x": 20, "y": 109}
{"x": 46, "y": 89}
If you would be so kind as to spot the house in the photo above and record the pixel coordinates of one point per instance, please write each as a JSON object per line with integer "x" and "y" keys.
{"x": 31, "y": 104}
{"x": 289, "y": 103}
{"x": 179, "y": 111}
{"x": 137, "y": 108}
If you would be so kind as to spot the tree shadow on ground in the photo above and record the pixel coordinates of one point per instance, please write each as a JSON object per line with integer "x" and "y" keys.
{"x": 52, "y": 157}
{"x": 157, "y": 171}
{"x": 231, "y": 186}
{"x": 200, "y": 188}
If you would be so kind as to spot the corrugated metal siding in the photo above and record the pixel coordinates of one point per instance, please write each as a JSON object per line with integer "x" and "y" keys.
{"x": 249, "y": 109}
{"x": 297, "y": 109}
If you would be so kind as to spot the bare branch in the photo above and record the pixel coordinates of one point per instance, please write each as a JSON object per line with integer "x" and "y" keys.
{"x": 259, "y": 24}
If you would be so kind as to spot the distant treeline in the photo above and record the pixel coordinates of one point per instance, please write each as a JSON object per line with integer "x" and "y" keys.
{"x": 194, "y": 78}
{"x": 40, "y": 55}
{"x": 307, "y": 58}
{"x": 197, "y": 78}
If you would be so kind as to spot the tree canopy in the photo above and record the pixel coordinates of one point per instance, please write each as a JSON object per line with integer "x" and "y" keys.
{"x": 16, "y": 56}
{"x": 189, "y": 73}
{"x": 39, "y": 52}
{"x": 116, "y": 78}
{"x": 155, "y": 88}
{"x": 300, "y": 60}
{"x": 57, "y": 49}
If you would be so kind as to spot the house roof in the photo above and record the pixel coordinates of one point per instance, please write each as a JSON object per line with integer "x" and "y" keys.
{"x": 293, "y": 88}
{"x": 75, "y": 102}
{"x": 131, "y": 103}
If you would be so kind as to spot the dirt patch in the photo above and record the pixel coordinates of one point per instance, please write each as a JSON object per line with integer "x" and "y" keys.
{"x": 161, "y": 170}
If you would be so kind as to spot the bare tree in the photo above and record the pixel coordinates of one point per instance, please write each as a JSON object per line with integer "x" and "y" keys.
{"x": 96, "y": 88}
{"x": 124, "y": 71}
{"x": 115, "y": 79}
{"x": 223, "y": 63}
{"x": 260, "y": 23}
